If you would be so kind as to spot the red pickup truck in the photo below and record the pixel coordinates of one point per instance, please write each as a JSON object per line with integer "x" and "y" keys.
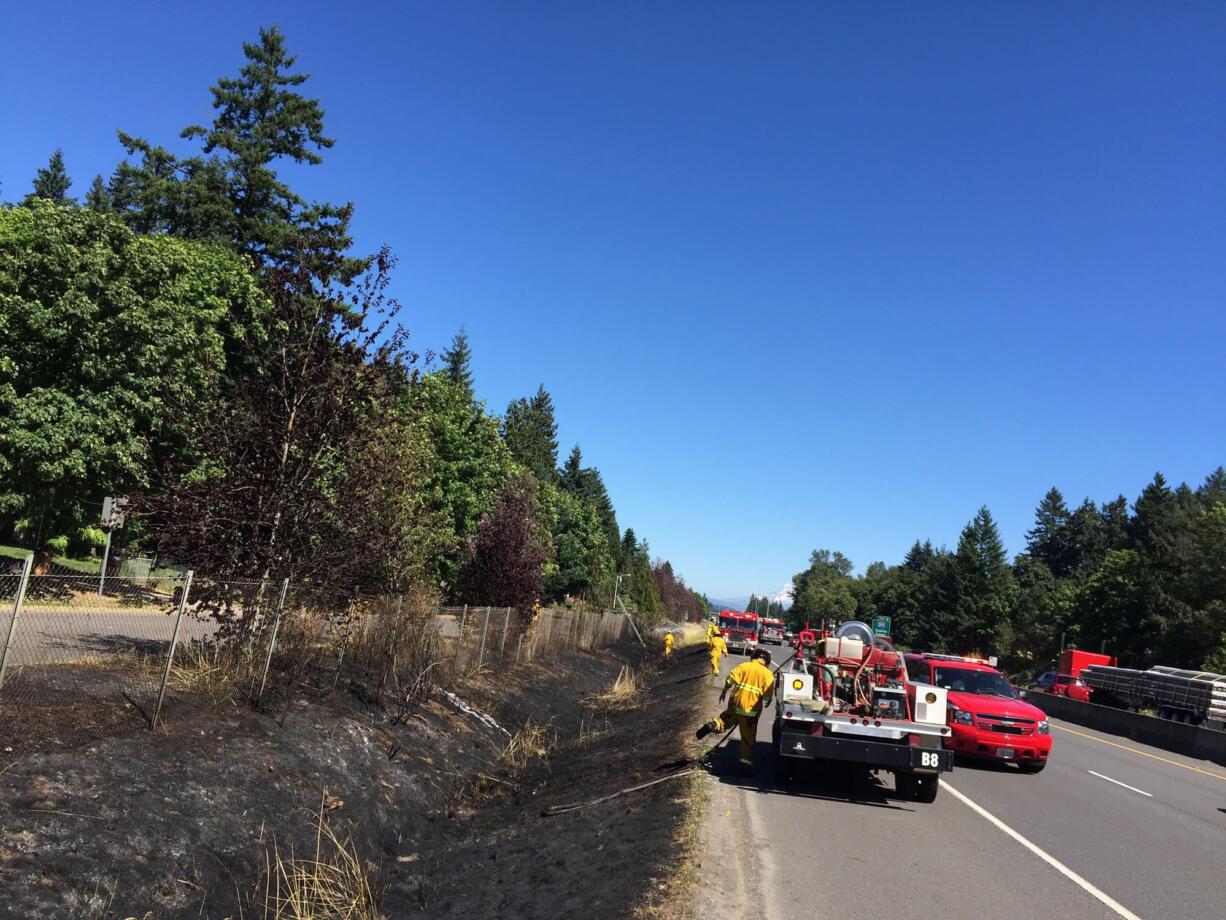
{"x": 987, "y": 718}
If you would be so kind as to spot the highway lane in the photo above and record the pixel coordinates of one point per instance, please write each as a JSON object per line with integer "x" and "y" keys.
{"x": 1137, "y": 821}
{"x": 807, "y": 849}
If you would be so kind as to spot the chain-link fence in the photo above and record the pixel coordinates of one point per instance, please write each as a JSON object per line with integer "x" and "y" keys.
{"x": 82, "y": 658}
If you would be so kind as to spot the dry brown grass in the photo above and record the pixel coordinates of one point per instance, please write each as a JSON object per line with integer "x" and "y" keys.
{"x": 626, "y": 693}
{"x": 214, "y": 673}
{"x": 670, "y": 896}
{"x": 532, "y": 742}
{"x": 332, "y": 884}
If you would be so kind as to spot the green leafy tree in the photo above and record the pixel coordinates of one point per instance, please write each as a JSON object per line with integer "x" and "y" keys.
{"x": 267, "y": 488}
{"x": 471, "y": 466}
{"x": 102, "y": 335}
{"x": 825, "y": 590}
{"x": 1115, "y": 611}
{"x": 52, "y": 182}
{"x": 457, "y": 363}
{"x": 584, "y": 562}
{"x": 531, "y": 434}
{"x": 1041, "y": 617}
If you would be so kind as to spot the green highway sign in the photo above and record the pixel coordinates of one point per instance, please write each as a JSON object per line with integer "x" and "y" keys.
{"x": 881, "y": 626}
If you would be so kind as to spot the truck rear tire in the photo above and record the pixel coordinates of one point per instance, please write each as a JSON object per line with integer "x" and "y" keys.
{"x": 916, "y": 787}
{"x": 926, "y": 788}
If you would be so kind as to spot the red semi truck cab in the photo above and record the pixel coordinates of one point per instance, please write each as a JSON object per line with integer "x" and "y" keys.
{"x": 1069, "y": 666}
{"x": 740, "y": 630}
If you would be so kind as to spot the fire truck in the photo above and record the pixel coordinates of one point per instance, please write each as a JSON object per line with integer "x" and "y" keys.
{"x": 740, "y": 630}
{"x": 772, "y": 631}
{"x": 846, "y": 698}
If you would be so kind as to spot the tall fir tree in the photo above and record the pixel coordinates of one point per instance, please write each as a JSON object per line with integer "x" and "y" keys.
{"x": 98, "y": 198}
{"x": 457, "y": 361}
{"x": 52, "y": 182}
{"x": 1049, "y": 540}
{"x": 232, "y": 193}
{"x": 531, "y": 434}
{"x": 985, "y": 587}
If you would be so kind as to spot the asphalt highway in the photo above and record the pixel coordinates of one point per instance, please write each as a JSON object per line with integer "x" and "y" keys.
{"x": 1110, "y": 829}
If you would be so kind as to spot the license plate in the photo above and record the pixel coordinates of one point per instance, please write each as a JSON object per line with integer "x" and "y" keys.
{"x": 1004, "y": 752}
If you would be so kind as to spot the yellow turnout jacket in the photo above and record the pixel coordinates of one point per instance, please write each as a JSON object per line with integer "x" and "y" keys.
{"x": 752, "y": 684}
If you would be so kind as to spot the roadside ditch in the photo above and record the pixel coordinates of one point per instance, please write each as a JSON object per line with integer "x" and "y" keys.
{"x": 443, "y": 815}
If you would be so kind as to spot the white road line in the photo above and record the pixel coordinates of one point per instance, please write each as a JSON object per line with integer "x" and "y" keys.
{"x": 1060, "y": 867}
{"x": 1148, "y": 795}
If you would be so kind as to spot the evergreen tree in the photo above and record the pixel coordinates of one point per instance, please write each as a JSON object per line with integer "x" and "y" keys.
{"x": 1154, "y": 520}
{"x": 1050, "y": 541}
{"x": 570, "y": 477}
{"x": 1213, "y": 490}
{"x": 587, "y": 483}
{"x": 532, "y": 434}
{"x": 985, "y": 588}
{"x": 1115, "y": 523}
{"x": 232, "y": 192}
{"x": 52, "y": 183}
{"x": 1086, "y": 539}
{"x": 457, "y": 363}
{"x": 98, "y": 198}
{"x": 919, "y": 555}
{"x": 629, "y": 546}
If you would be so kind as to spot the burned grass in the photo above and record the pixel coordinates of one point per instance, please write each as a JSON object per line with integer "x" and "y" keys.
{"x": 201, "y": 819}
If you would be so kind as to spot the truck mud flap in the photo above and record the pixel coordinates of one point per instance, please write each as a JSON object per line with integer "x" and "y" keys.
{"x": 870, "y": 753}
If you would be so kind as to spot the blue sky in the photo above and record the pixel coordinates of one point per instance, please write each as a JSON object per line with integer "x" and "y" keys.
{"x": 797, "y": 275}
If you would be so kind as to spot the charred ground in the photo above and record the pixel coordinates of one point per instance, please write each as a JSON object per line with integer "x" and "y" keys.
{"x": 177, "y": 823}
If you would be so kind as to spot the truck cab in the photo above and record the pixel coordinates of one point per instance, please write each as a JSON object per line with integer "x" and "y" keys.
{"x": 1069, "y": 668}
{"x": 988, "y": 719}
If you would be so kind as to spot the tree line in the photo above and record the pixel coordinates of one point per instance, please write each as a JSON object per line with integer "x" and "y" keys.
{"x": 1145, "y": 583}
{"x": 199, "y": 337}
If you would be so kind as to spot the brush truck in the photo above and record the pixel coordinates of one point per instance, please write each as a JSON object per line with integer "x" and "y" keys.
{"x": 845, "y": 698}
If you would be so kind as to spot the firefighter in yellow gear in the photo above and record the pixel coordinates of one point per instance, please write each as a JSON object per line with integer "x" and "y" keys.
{"x": 712, "y": 630}
{"x": 752, "y": 684}
{"x": 668, "y": 644}
{"x": 717, "y": 648}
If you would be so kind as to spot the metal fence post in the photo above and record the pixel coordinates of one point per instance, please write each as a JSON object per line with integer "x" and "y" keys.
{"x": 174, "y": 640}
{"x": 506, "y": 624}
{"x": 484, "y": 629}
{"x": 21, "y": 596}
{"x": 272, "y": 641}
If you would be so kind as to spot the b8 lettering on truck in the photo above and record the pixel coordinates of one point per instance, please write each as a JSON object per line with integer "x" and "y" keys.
{"x": 846, "y": 697}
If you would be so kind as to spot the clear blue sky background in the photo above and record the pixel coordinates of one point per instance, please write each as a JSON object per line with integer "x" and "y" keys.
{"x": 797, "y": 275}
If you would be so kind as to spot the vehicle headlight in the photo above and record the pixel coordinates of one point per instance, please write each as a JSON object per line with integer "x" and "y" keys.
{"x": 1044, "y": 728}
{"x": 961, "y": 716}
